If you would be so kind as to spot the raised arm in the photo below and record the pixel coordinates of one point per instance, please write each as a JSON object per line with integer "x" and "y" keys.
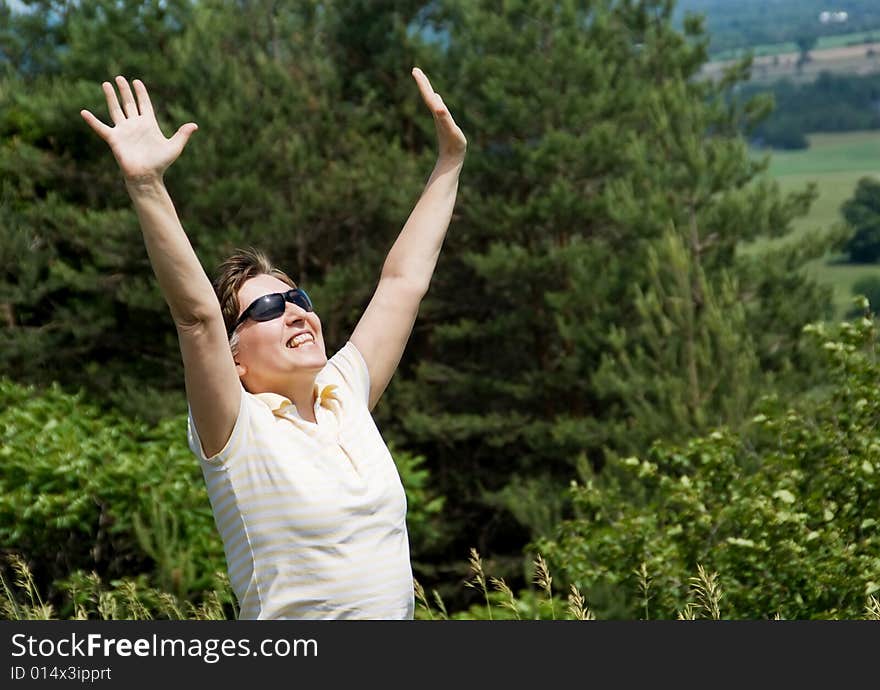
{"x": 143, "y": 154}
{"x": 384, "y": 329}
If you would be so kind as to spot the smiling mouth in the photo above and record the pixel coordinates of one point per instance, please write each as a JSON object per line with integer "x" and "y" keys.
{"x": 301, "y": 339}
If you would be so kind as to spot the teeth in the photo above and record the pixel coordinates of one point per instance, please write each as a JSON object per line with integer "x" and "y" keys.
{"x": 299, "y": 340}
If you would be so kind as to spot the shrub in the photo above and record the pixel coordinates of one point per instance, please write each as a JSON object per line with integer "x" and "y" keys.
{"x": 86, "y": 491}
{"x": 786, "y": 512}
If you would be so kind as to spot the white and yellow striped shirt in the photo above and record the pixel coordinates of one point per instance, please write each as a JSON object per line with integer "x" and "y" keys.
{"x": 312, "y": 516}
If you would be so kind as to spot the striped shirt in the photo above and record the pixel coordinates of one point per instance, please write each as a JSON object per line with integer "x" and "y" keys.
{"x": 312, "y": 515}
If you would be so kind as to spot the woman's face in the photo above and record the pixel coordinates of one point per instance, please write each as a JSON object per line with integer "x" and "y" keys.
{"x": 271, "y": 352}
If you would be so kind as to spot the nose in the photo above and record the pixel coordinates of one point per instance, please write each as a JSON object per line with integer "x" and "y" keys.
{"x": 293, "y": 313}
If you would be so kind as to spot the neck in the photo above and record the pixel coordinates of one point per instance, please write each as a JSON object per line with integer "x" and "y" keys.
{"x": 303, "y": 398}
{"x": 300, "y": 391}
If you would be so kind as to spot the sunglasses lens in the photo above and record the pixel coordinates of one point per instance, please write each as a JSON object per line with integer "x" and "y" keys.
{"x": 267, "y": 308}
{"x": 300, "y": 298}
{"x": 270, "y": 307}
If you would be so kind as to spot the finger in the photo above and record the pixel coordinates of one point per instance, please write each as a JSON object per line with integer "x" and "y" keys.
{"x": 420, "y": 76}
{"x": 424, "y": 84}
{"x": 143, "y": 98}
{"x": 442, "y": 117}
{"x": 128, "y": 104}
{"x": 116, "y": 113}
{"x": 182, "y": 135}
{"x": 100, "y": 128}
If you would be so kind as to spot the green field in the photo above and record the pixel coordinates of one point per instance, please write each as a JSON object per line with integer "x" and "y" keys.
{"x": 835, "y": 162}
{"x": 823, "y": 43}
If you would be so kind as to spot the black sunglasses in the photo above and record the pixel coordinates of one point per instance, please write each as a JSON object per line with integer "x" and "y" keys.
{"x": 272, "y": 306}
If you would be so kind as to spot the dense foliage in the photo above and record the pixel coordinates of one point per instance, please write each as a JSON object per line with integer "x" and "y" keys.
{"x": 590, "y": 297}
{"x": 79, "y": 486}
{"x": 785, "y": 512}
{"x": 94, "y": 492}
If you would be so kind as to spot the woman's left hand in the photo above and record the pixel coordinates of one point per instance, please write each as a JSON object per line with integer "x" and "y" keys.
{"x": 451, "y": 141}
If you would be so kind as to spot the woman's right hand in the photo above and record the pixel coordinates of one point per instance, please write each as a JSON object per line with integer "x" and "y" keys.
{"x": 140, "y": 148}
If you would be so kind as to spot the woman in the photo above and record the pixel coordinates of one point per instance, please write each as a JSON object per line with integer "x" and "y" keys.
{"x": 304, "y": 491}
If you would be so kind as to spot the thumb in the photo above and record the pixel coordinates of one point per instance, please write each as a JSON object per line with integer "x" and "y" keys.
{"x": 182, "y": 135}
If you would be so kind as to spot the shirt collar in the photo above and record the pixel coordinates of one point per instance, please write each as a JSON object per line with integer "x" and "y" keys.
{"x": 277, "y": 403}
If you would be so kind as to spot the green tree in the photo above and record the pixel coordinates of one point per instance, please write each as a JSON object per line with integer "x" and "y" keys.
{"x": 688, "y": 361}
{"x": 868, "y": 287}
{"x": 76, "y": 298}
{"x": 862, "y": 212}
{"x": 831, "y": 103}
{"x": 295, "y": 154}
{"x": 805, "y": 43}
{"x": 593, "y": 140}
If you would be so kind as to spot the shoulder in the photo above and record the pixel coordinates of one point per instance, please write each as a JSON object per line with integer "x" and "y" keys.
{"x": 254, "y": 416}
{"x": 347, "y": 369}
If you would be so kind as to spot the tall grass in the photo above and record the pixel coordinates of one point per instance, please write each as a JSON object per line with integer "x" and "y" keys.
{"x": 704, "y": 597}
{"x": 129, "y": 599}
{"x": 90, "y": 598}
{"x": 704, "y": 590}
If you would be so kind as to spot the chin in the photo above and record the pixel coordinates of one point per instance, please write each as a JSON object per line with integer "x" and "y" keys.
{"x": 315, "y": 357}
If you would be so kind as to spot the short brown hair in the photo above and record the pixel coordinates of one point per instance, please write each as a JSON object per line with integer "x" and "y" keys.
{"x": 241, "y": 266}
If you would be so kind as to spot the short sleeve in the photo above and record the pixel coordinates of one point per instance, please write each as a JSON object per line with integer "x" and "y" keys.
{"x": 236, "y": 438}
{"x": 352, "y": 367}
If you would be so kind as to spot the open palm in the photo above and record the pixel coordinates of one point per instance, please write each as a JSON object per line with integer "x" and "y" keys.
{"x": 451, "y": 141}
{"x": 136, "y": 141}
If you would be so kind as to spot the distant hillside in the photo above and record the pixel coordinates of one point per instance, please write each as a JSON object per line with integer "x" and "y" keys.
{"x": 773, "y": 63}
{"x": 736, "y": 25}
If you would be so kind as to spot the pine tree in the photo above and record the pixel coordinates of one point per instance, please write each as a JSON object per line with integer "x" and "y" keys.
{"x": 294, "y": 155}
{"x": 688, "y": 362}
{"x": 76, "y": 294}
{"x": 605, "y": 200}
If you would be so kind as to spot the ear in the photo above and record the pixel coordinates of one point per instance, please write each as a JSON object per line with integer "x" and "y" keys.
{"x": 240, "y": 369}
